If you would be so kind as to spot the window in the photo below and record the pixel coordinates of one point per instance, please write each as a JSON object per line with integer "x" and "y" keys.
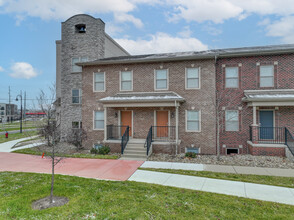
{"x": 99, "y": 79}
{"x": 126, "y": 81}
{"x": 232, "y": 120}
{"x": 80, "y": 28}
{"x": 193, "y": 121}
{"x": 76, "y": 124}
{"x": 192, "y": 149}
{"x": 232, "y": 151}
{"x": 76, "y": 96}
{"x": 161, "y": 77}
{"x": 192, "y": 78}
{"x": 232, "y": 77}
{"x": 99, "y": 120}
{"x": 266, "y": 76}
{"x": 74, "y": 67}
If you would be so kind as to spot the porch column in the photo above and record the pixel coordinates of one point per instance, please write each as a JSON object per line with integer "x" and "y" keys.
{"x": 177, "y": 126}
{"x": 105, "y": 123}
{"x": 254, "y": 115}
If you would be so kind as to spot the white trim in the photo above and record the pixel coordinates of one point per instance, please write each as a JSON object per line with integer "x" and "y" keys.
{"x": 199, "y": 78}
{"x": 132, "y": 76}
{"x": 94, "y": 82}
{"x": 186, "y": 122}
{"x": 167, "y": 80}
{"x": 265, "y": 104}
{"x": 267, "y": 145}
{"x": 98, "y": 129}
{"x": 147, "y": 104}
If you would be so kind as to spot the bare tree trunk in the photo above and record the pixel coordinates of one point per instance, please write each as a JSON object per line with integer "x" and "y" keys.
{"x": 52, "y": 176}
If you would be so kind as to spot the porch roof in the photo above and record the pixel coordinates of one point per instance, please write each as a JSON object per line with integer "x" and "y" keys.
{"x": 139, "y": 99}
{"x": 277, "y": 97}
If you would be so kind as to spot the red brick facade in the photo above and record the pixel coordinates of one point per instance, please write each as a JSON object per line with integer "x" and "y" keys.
{"x": 249, "y": 79}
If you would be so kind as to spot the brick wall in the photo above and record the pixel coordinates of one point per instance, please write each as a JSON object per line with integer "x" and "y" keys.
{"x": 143, "y": 81}
{"x": 249, "y": 80}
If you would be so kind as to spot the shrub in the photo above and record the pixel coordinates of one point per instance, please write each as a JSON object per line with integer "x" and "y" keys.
{"x": 93, "y": 151}
{"x": 190, "y": 154}
{"x": 104, "y": 150}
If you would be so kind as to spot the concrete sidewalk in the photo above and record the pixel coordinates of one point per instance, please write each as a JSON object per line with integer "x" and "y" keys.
{"x": 241, "y": 189}
{"x": 220, "y": 168}
{"x": 7, "y": 146}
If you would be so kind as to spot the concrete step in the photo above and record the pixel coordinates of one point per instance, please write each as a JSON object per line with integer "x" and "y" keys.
{"x": 128, "y": 150}
{"x": 135, "y": 147}
{"x": 137, "y": 141}
{"x": 133, "y": 157}
{"x": 135, "y": 153}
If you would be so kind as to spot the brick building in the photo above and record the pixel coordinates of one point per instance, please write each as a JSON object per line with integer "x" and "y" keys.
{"x": 176, "y": 102}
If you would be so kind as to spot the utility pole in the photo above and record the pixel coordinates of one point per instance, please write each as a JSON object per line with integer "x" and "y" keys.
{"x": 25, "y": 98}
{"x": 9, "y": 105}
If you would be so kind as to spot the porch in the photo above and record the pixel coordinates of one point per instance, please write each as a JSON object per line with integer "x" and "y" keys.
{"x": 271, "y": 130}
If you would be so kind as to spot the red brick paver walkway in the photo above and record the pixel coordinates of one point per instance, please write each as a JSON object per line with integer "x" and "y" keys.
{"x": 119, "y": 170}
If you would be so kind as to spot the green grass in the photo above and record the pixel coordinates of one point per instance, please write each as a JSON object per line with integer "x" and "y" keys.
{"x": 268, "y": 180}
{"x": 16, "y": 129}
{"x": 36, "y": 151}
{"x": 124, "y": 200}
{"x": 16, "y": 136}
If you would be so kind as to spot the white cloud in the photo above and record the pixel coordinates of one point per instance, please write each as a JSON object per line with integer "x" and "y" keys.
{"x": 23, "y": 70}
{"x": 123, "y": 17}
{"x": 1, "y": 69}
{"x": 161, "y": 43}
{"x": 284, "y": 28}
{"x": 186, "y": 32}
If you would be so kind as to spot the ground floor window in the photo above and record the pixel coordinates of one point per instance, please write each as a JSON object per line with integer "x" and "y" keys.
{"x": 76, "y": 124}
{"x": 192, "y": 120}
{"x": 99, "y": 120}
{"x": 232, "y": 120}
{"x": 232, "y": 151}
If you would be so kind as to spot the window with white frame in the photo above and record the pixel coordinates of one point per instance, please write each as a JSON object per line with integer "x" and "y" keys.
{"x": 99, "y": 120}
{"x": 161, "y": 79}
{"x": 232, "y": 77}
{"x": 232, "y": 120}
{"x": 76, "y": 124}
{"x": 126, "y": 81}
{"x": 99, "y": 79}
{"x": 75, "y": 68}
{"x": 193, "y": 120}
{"x": 192, "y": 78}
{"x": 266, "y": 76}
{"x": 76, "y": 96}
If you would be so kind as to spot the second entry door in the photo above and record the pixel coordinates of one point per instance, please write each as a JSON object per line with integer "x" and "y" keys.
{"x": 162, "y": 123}
{"x": 126, "y": 120}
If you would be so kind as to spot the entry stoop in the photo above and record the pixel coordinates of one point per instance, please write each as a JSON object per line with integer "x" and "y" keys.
{"x": 135, "y": 150}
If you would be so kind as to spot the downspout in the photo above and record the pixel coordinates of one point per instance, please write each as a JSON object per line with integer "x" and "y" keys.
{"x": 177, "y": 126}
{"x": 216, "y": 108}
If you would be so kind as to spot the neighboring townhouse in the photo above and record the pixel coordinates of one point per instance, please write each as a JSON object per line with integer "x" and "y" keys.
{"x": 255, "y": 88}
{"x": 169, "y": 95}
{"x": 82, "y": 39}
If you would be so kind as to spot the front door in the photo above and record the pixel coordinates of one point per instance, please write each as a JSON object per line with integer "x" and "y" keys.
{"x": 162, "y": 123}
{"x": 266, "y": 119}
{"x": 126, "y": 120}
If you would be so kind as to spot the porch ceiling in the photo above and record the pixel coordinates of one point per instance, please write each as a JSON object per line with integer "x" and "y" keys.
{"x": 144, "y": 99}
{"x": 278, "y": 97}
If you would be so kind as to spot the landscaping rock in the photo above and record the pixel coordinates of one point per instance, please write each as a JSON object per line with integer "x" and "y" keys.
{"x": 235, "y": 160}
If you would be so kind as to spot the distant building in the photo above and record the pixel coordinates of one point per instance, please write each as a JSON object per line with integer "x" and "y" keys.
{"x": 8, "y": 112}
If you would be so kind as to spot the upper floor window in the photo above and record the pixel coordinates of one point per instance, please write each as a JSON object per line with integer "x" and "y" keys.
{"x": 99, "y": 82}
{"x": 126, "y": 81}
{"x": 80, "y": 28}
{"x": 232, "y": 77}
{"x": 266, "y": 76}
{"x": 76, "y": 96}
{"x": 161, "y": 79}
{"x": 232, "y": 120}
{"x": 192, "y": 120}
{"x": 99, "y": 120}
{"x": 75, "y": 68}
{"x": 192, "y": 78}
{"x": 76, "y": 125}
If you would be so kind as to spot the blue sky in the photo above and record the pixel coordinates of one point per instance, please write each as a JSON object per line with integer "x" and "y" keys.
{"x": 29, "y": 29}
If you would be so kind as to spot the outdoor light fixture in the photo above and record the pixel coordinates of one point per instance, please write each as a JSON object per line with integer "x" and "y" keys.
{"x": 115, "y": 114}
{"x": 172, "y": 115}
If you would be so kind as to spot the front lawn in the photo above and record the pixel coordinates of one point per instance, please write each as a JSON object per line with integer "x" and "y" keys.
{"x": 16, "y": 136}
{"x": 94, "y": 199}
{"x": 260, "y": 179}
{"x": 36, "y": 151}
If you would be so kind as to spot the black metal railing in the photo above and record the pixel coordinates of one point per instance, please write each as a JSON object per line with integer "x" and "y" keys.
{"x": 148, "y": 141}
{"x": 164, "y": 133}
{"x": 267, "y": 135}
{"x": 124, "y": 139}
{"x": 289, "y": 141}
{"x": 115, "y": 132}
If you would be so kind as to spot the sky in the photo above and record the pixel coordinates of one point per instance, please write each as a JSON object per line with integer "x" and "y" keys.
{"x": 29, "y": 29}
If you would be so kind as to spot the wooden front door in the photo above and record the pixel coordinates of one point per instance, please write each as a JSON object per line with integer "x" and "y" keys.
{"x": 162, "y": 123}
{"x": 126, "y": 120}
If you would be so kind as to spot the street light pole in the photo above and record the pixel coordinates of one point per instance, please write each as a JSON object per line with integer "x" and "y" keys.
{"x": 20, "y": 111}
